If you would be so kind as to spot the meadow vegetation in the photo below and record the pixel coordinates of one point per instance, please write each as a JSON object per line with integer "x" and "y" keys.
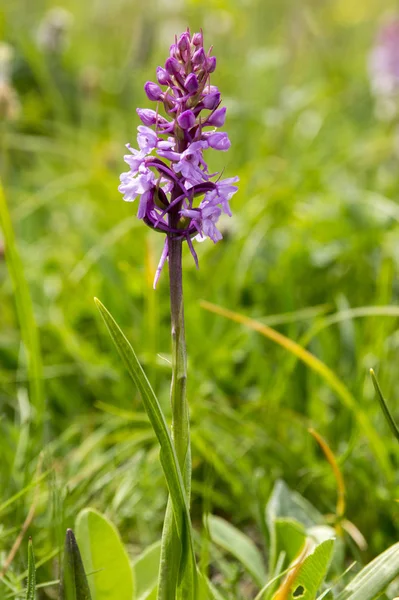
{"x": 311, "y": 253}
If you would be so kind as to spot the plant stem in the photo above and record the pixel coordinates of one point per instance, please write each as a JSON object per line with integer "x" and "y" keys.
{"x": 180, "y": 411}
{"x": 173, "y": 554}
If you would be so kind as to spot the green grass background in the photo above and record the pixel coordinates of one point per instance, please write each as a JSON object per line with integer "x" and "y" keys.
{"x": 314, "y": 233}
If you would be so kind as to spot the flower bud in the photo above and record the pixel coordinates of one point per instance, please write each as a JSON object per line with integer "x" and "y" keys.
{"x": 211, "y": 99}
{"x": 191, "y": 83}
{"x": 163, "y": 76}
{"x": 217, "y": 118}
{"x": 199, "y": 57}
{"x": 173, "y": 51}
{"x": 210, "y": 63}
{"x": 147, "y": 116}
{"x": 183, "y": 45}
{"x": 153, "y": 91}
{"x": 197, "y": 39}
{"x": 186, "y": 120}
{"x": 172, "y": 66}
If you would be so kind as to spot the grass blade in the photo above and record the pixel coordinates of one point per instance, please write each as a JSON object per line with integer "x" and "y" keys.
{"x": 31, "y": 585}
{"x": 74, "y": 584}
{"x": 374, "y": 578}
{"x": 328, "y": 453}
{"x": 23, "y": 300}
{"x": 384, "y": 406}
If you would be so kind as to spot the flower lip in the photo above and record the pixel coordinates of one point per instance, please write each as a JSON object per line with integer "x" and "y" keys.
{"x": 218, "y": 140}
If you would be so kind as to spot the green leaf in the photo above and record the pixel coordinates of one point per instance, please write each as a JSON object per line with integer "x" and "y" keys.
{"x": 286, "y": 503}
{"x": 74, "y": 584}
{"x": 105, "y": 556}
{"x": 207, "y": 590}
{"x": 146, "y": 568}
{"x": 168, "y": 456}
{"x": 312, "y": 572}
{"x": 239, "y": 545}
{"x": 374, "y": 578}
{"x": 384, "y": 406}
{"x": 31, "y": 585}
{"x": 26, "y": 317}
{"x": 290, "y": 537}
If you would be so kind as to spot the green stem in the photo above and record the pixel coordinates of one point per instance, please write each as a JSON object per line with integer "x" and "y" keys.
{"x": 180, "y": 411}
{"x": 173, "y": 554}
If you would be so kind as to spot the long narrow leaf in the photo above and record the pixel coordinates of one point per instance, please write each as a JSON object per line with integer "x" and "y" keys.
{"x": 73, "y": 585}
{"x": 168, "y": 456}
{"x": 31, "y": 585}
{"x": 374, "y": 578}
{"x": 384, "y": 406}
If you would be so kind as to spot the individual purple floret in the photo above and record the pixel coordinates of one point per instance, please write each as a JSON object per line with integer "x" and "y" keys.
{"x": 384, "y": 61}
{"x": 178, "y": 195}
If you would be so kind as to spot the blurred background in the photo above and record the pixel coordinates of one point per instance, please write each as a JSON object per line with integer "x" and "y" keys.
{"x": 312, "y": 250}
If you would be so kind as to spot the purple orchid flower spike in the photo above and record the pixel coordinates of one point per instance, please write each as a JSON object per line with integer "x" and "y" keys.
{"x": 384, "y": 60}
{"x": 383, "y": 66}
{"x": 169, "y": 171}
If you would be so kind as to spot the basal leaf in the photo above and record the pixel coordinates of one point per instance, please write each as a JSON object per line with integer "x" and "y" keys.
{"x": 311, "y": 573}
{"x": 290, "y": 537}
{"x": 146, "y": 568}
{"x": 239, "y": 545}
{"x": 286, "y": 503}
{"x": 105, "y": 556}
{"x": 374, "y": 578}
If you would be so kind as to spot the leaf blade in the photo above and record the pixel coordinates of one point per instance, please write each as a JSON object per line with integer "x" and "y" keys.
{"x": 232, "y": 540}
{"x": 31, "y": 584}
{"x": 105, "y": 556}
{"x": 374, "y": 577}
{"x": 168, "y": 455}
{"x": 73, "y": 584}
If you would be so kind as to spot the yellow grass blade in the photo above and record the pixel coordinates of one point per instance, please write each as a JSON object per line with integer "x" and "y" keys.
{"x": 316, "y": 365}
{"x": 328, "y": 453}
